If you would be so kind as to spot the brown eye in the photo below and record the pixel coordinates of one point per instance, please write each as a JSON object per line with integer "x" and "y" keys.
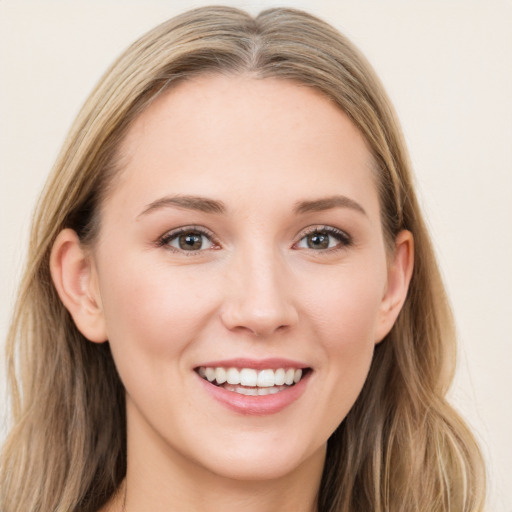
{"x": 323, "y": 239}
{"x": 318, "y": 241}
{"x": 188, "y": 241}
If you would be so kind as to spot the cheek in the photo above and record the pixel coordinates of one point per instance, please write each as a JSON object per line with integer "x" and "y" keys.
{"x": 349, "y": 341}
{"x": 153, "y": 317}
{"x": 155, "y": 310}
{"x": 345, "y": 318}
{"x": 346, "y": 308}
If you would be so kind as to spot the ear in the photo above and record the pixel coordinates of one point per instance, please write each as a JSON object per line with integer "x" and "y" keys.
{"x": 399, "y": 276}
{"x": 75, "y": 278}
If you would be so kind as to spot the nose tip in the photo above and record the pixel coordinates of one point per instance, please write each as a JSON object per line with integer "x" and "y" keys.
{"x": 260, "y": 305}
{"x": 260, "y": 322}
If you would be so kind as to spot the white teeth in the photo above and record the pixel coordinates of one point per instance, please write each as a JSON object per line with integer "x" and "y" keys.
{"x": 210, "y": 374}
{"x": 266, "y": 379}
{"x": 254, "y": 382}
{"x": 279, "y": 377}
{"x": 254, "y": 391}
{"x": 289, "y": 375}
{"x": 248, "y": 377}
{"x": 233, "y": 376}
{"x": 221, "y": 375}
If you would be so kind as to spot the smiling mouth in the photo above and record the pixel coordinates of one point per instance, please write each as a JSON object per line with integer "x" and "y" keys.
{"x": 248, "y": 381}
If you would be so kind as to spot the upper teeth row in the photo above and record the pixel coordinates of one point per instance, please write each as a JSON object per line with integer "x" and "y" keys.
{"x": 251, "y": 377}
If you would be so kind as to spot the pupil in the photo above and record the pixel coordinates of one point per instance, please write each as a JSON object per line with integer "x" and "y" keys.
{"x": 319, "y": 241}
{"x": 190, "y": 241}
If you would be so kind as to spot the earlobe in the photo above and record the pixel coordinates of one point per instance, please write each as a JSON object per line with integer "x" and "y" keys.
{"x": 75, "y": 278}
{"x": 399, "y": 276}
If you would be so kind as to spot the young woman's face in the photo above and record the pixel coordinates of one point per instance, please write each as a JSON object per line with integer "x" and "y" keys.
{"x": 242, "y": 240}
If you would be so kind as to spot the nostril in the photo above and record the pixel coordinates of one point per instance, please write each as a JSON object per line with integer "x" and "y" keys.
{"x": 257, "y": 298}
{"x": 241, "y": 318}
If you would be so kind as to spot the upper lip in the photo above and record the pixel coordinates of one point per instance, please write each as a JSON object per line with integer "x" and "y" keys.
{"x": 272, "y": 363}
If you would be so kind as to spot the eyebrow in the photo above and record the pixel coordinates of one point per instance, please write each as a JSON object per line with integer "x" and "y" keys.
{"x": 327, "y": 203}
{"x": 206, "y": 205}
{"x": 198, "y": 203}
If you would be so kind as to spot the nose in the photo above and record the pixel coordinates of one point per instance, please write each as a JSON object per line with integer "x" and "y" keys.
{"x": 259, "y": 296}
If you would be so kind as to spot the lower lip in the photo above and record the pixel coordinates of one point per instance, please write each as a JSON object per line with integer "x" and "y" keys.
{"x": 256, "y": 405}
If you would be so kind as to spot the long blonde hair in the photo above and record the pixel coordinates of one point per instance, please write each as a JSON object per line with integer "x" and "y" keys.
{"x": 401, "y": 447}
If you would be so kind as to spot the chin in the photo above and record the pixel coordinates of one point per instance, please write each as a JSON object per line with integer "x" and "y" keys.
{"x": 260, "y": 461}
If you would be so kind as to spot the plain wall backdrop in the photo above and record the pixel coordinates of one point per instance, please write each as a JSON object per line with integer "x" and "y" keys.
{"x": 447, "y": 66}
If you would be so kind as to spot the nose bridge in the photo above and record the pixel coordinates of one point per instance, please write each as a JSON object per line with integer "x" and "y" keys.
{"x": 258, "y": 298}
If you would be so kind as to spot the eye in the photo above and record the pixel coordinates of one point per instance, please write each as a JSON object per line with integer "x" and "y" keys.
{"x": 188, "y": 240}
{"x": 324, "y": 238}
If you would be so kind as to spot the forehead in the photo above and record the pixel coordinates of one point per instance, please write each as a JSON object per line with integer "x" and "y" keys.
{"x": 215, "y": 133}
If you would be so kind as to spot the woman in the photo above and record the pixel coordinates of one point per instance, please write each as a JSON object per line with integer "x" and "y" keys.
{"x": 231, "y": 297}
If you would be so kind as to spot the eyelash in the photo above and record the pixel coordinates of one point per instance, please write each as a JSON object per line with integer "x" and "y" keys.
{"x": 167, "y": 238}
{"x": 344, "y": 239}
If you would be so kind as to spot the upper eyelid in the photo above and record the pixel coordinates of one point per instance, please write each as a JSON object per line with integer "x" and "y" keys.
{"x": 211, "y": 235}
{"x": 344, "y": 240}
{"x": 172, "y": 233}
{"x": 318, "y": 228}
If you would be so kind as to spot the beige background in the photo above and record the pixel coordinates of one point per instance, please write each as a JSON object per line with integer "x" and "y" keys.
{"x": 448, "y": 68}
